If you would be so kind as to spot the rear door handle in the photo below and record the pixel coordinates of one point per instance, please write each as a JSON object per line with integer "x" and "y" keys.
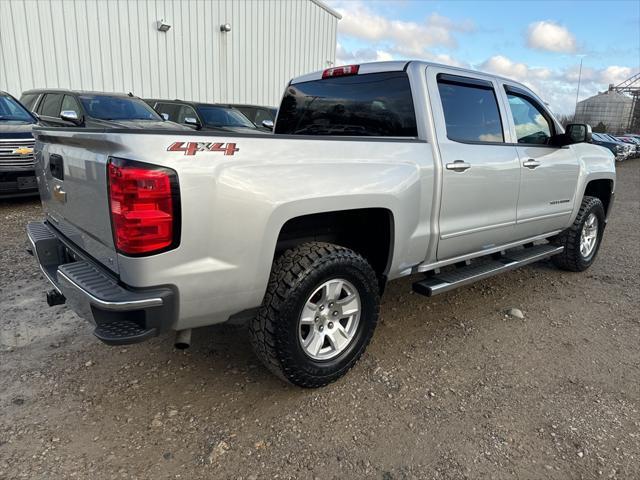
{"x": 531, "y": 163}
{"x": 458, "y": 166}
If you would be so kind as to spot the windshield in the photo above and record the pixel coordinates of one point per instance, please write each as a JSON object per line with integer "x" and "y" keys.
{"x": 223, "y": 117}
{"x": 12, "y": 111}
{"x": 104, "y": 107}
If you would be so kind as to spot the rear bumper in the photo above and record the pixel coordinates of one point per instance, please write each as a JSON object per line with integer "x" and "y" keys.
{"x": 120, "y": 313}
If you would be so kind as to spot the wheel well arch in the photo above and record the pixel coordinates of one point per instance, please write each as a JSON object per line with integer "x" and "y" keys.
{"x": 368, "y": 231}
{"x": 603, "y": 189}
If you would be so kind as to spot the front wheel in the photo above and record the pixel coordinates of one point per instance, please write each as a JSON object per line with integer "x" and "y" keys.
{"x": 582, "y": 240}
{"x": 318, "y": 315}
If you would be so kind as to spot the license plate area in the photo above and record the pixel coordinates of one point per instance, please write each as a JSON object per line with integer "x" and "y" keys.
{"x": 27, "y": 183}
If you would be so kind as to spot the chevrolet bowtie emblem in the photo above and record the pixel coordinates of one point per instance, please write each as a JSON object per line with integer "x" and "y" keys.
{"x": 23, "y": 151}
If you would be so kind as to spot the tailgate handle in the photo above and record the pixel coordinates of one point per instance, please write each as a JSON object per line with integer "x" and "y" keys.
{"x": 59, "y": 194}
{"x": 56, "y": 166}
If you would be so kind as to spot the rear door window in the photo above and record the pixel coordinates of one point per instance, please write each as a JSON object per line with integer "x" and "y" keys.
{"x": 470, "y": 110}
{"x": 375, "y": 104}
{"x": 50, "y": 106}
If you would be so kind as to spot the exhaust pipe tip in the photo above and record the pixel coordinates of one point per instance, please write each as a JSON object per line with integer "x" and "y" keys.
{"x": 54, "y": 297}
{"x": 183, "y": 339}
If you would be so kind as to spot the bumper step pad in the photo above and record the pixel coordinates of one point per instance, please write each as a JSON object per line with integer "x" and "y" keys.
{"x": 122, "y": 332}
{"x": 512, "y": 259}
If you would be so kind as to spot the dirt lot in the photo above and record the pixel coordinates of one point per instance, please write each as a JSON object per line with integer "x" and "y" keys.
{"x": 450, "y": 388}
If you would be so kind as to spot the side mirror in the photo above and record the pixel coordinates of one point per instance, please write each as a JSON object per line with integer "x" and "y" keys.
{"x": 192, "y": 122}
{"x": 268, "y": 124}
{"x": 165, "y": 116}
{"x": 70, "y": 116}
{"x": 578, "y": 133}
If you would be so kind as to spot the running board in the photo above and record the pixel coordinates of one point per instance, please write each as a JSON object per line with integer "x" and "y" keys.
{"x": 443, "y": 282}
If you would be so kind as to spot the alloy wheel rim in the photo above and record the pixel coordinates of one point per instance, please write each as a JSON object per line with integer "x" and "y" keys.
{"x": 329, "y": 319}
{"x": 589, "y": 235}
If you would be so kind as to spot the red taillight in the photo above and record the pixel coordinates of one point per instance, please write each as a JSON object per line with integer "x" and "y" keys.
{"x": 341, "y": 71}
{"x": 143, "y": 201}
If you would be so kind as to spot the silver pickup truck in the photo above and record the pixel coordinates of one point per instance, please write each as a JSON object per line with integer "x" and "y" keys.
{"x": 374, "y": 172}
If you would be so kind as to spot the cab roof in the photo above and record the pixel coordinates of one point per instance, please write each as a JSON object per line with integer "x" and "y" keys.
{"x": 403, "y": 65}
{"x": 78, "y": 92}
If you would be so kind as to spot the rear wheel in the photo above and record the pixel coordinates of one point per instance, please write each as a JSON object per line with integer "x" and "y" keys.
{"x": 582, "y": 240}
{"x": 318, "y": 314}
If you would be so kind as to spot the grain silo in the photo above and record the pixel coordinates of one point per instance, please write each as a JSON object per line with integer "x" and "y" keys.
{"x": 611, "y": 108}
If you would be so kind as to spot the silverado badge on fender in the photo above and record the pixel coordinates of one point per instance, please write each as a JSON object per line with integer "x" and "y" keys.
{"x": 190, "y": 148}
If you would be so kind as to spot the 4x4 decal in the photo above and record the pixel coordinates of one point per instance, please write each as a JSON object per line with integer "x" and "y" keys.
{"x": 191, "y": 148}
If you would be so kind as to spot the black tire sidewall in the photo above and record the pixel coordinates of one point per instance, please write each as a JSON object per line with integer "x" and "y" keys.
{"x": 598, "y": 210}
{"x": 356, "y": 272}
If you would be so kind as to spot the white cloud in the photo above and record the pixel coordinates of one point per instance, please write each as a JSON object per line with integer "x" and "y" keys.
{"x": 367, "y": 36}
{"x": 559, "y": 87}
{"x": 615, "y": 74}
{"x": 501, "y": 65}
{"x": 550, "y": 36}
{"x": 406, "y": 38}
{"x": 346, "y": 57}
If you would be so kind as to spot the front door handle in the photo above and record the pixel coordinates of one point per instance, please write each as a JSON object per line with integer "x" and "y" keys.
{"x": 458, "y": 166}
{"x": 531, "y": 163}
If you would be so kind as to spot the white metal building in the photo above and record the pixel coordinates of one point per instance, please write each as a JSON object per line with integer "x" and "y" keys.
{"x": 119, "y": 46}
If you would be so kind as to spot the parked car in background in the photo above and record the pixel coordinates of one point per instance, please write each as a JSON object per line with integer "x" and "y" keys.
{"x": 204, "y": 116}
{"x": 634, "y": 142}
{"x": 628, "y": 149}
{"x": 633, "y": 135}
{"x": 17, "y": 176}
{"x": 617, "y": 148}
{"x": 259, "y": 115}
{"x": 382, "y": 170}
{"x": 72, "y": 108}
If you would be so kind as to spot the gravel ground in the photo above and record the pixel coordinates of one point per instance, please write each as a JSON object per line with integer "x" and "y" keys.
{"x": 450, "y": 387}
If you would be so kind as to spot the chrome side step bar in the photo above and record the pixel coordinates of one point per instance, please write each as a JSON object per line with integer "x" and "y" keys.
{"x": 443, "y": 282}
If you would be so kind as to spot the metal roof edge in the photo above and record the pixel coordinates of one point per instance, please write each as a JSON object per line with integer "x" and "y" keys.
{"x": 327, "y": 8}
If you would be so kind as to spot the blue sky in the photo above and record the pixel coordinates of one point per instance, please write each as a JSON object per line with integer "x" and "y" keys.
{"x": 537, "y": 42}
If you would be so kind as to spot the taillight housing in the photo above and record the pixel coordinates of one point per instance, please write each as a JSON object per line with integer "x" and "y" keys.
{"x": 341, "y": 71}
{"x": 144, "y": 201}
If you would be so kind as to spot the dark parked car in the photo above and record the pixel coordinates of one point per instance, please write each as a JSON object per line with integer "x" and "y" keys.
{"x": 207, "y": 116}
{"x": 258, "y": 114}
{"x": 17, "y": 176}
{"x": 616, "y": 147}
{"x": 64, "y": 108}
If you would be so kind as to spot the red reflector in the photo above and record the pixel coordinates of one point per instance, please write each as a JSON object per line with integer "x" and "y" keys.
{"x": 341, "y": 71}
{"x": 143, "y": 207}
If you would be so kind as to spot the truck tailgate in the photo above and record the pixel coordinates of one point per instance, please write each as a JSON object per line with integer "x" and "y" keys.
{"x": 72, "y": 179}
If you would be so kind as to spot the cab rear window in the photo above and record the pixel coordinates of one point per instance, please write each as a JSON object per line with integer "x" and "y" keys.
{"x": 375, "y": 104}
